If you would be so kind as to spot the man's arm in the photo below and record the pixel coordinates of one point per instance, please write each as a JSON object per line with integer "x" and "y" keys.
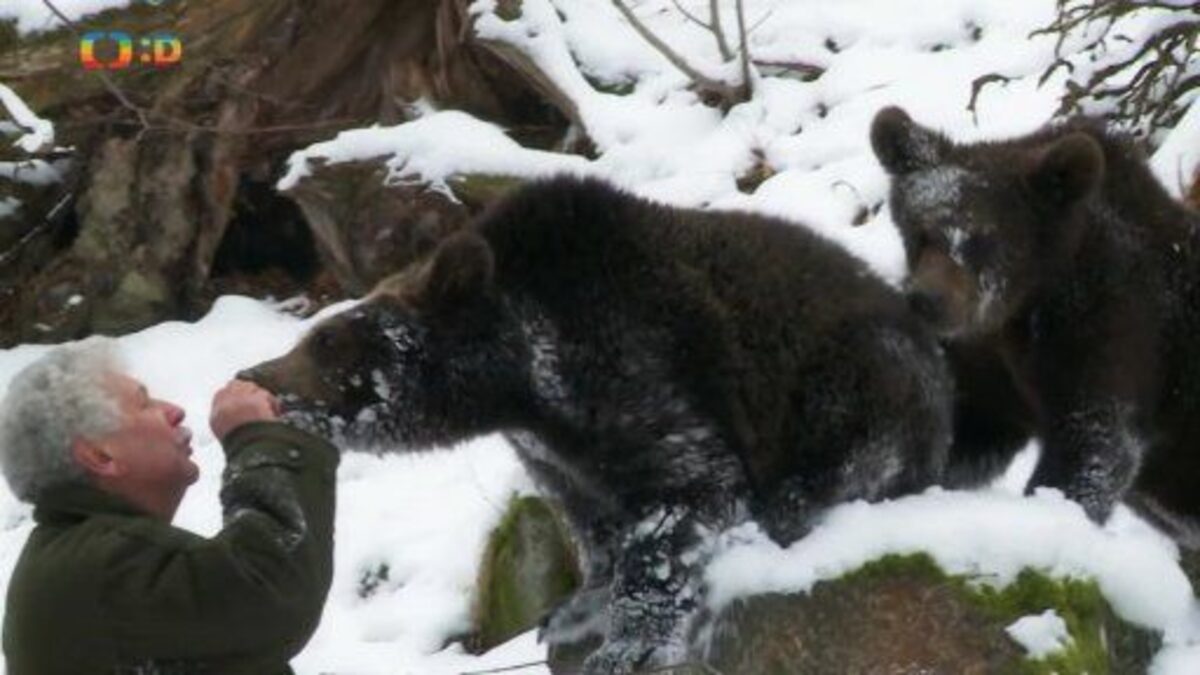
{"x": 254, "y": 592}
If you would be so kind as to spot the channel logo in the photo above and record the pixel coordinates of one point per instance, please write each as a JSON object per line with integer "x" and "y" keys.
{"x": 160, "y": 50}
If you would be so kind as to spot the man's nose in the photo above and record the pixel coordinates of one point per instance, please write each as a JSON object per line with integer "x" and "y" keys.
{"x": 175, "y": 414}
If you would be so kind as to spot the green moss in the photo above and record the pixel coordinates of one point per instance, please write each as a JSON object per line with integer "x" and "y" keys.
{"x": 1079, "y": 602}
{"x": 528, "y": 567}
{"x": 918, "y": 565}
{"x": 508, "y": 10}
{"x": 477, "y": 190}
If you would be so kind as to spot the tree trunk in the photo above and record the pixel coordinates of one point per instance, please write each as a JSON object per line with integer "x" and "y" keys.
{"x": 170, "y": 197}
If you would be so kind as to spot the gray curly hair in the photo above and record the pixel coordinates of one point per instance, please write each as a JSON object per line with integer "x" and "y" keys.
{"x": 50, "y": 403}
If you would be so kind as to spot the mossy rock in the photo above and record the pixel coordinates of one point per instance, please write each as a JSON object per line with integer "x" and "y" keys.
{"x": 508, "y": 10}
{"x": 480, "y": 190}
{"x": 529, "y": 566}
{"x": 903, "y": 614}
{"x": 899, "y": 614}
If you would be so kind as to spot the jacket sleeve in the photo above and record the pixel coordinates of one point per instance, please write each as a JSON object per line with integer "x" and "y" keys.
{"x": 255, "y": 590}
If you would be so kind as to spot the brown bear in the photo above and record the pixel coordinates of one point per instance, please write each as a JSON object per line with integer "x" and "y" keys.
{"x": 1065, "y": 282}
{"x": 663, "y": 373}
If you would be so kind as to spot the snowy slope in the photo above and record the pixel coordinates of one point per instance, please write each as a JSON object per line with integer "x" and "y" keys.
{"x": 425, "y": 516}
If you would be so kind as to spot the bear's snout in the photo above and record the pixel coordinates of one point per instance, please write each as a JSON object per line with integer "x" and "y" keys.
{"x": 260, "y": 375}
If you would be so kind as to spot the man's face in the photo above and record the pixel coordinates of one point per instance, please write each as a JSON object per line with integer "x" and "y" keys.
{"x": 151, "y": 451}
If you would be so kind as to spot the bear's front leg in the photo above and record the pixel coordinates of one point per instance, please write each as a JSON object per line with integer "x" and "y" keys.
{"x": 1091, "y": 452}
{"x": 655, "y": 591}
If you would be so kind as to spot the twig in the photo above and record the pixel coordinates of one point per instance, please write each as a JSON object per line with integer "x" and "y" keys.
{"x": 104, "y": 77}
{"x": 744, "y": 49}
{"x": 763, "y": 19}
{"x": 11, "y": 253}
{"x": 505, "y": 669}
{"x": 1154, "y": 76}
{"x": 691, "y": 17}
{"x": 714, "y": 13}
{"x": 977, "y": 86}
{"x": 650, "y": 671}
{"x": 730, "y": 95}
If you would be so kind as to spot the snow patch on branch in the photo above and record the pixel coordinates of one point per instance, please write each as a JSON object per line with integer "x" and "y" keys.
{"x": 36, "y": 133}
{"x": 433, "y": 149}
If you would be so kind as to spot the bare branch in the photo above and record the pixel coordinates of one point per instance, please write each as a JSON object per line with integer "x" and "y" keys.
{"x": 47, "y": 221}
{"x": 109, "y": 84}
{"x": 761, "y": 21}
{"x": 977, "y": 87}
{"x": 729, "y": 95}
{"x": 744, "y": 49}
{"x": 649, "y": 671}
{"x": 1146, "y": 84}
{"x": 505, "y": 669}
{"x": 713, "y": 26}
{"x": 689, "y": 16}
{"x": 714, "y": 16}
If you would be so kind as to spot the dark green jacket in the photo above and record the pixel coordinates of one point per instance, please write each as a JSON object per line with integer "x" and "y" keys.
{"x": 103, "y": 589}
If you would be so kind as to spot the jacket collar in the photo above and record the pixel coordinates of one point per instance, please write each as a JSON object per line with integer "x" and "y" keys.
{"x": 77, "y": 501}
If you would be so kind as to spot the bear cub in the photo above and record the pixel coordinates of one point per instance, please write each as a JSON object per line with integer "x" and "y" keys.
{"x": 662, "y": 373}
{"x": 1065, "y": 282}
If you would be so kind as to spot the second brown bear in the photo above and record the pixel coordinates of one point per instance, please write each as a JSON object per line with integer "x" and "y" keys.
{"x": 1065, "y": 282}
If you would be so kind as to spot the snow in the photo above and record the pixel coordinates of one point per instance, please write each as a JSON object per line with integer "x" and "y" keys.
{"x": 990, "y": 535}
{"x": 1177, "y": 161}
{"x": 424, "y": 517}
{"x": 36, "y": 133}
{"x": 33, "y": 172}
{"x": 32, "y": 16}
{"x": 435, "y": 147}
{"x": 1040, "y": 634}
{"x": 659, "y": 140}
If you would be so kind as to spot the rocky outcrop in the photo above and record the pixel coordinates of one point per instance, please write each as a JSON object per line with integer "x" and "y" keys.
{"x": 168, "y": 164}
{"x": 899, "y": 614}
{"x": 527, "y": 569}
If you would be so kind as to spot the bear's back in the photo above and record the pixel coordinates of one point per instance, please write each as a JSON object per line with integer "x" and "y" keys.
{"x": 573, "y": 240}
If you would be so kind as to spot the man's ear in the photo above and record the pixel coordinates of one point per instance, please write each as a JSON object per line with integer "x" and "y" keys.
{"x": 94, "y": 459}
{"x": 903, "y": 146}
{"x": 1068, "y": 171}
{"x": 462, "y": 269}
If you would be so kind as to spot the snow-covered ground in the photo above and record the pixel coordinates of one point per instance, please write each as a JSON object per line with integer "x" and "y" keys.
{"x": 425, "y": 517}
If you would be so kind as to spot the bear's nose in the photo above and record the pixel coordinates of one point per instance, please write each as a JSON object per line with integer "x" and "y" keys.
{"x": 254, "y": 375}
{"x": 928, "y": 305}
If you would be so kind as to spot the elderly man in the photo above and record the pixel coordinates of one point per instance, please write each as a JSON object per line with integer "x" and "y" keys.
{"x": 106, "y": 584}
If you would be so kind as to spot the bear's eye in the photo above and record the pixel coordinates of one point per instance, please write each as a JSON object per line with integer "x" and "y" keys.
{"x": 324, "y": 341}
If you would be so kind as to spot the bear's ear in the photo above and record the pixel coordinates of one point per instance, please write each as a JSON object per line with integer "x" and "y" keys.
{"x": 903, "y": 146}
{"x": 462, "y": 268}
{"x": 1069, "y": 170}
